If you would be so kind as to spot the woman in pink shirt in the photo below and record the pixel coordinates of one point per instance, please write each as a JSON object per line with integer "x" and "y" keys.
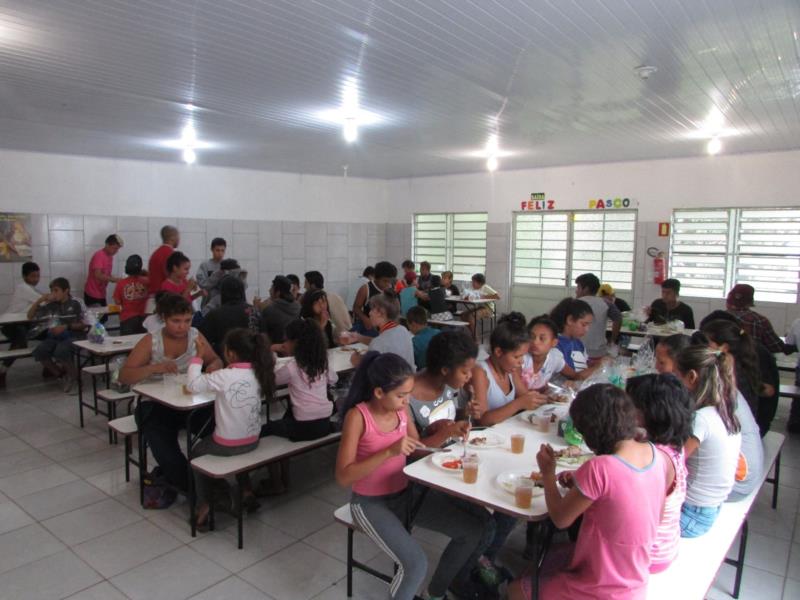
{"x": 665, "y": 411}
{"x": 620, "y": 494}
{"x": 177, "y": 281}
{"x": 377, "y": 437}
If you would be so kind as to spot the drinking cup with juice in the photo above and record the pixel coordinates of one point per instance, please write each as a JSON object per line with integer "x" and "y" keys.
{"x": 517, "y": 443}
{"x": 523, "y": 492}
{"x": 469, "y": 465}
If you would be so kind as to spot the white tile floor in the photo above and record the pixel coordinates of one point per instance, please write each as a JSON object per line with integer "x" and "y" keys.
{"x": 71, "y": 527}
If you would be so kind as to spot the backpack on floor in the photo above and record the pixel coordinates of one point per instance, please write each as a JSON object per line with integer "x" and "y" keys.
{"x": 158, "y": 493}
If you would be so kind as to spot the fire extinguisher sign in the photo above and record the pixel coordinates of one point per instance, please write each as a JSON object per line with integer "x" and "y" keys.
{"x": 663, "y": 230}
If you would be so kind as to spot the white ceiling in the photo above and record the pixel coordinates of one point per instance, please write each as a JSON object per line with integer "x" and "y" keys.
{"x": 112, "y": 78}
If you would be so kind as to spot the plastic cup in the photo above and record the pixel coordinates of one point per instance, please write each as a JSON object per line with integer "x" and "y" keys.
{"x": 517, "y": 443}
{"x": 523, "y": 492}
{"x": 470, "y": 468}
{"x": 542, "y": 423}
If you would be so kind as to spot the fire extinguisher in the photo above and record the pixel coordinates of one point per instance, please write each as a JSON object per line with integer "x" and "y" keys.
{"x": 659, "y": 266}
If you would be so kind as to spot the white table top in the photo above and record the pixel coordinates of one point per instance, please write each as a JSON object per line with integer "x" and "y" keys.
{"x": 654, "y": 331}
{"x": 477, "y": 302}
{"x": 171, "y": 394}
{"x": 486, "y": 491}
{"x": 111, "y": 345}
{"x": 9, "y": 318}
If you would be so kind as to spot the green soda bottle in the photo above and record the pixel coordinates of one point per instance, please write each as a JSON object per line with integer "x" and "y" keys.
{"x": 571, "y": 435}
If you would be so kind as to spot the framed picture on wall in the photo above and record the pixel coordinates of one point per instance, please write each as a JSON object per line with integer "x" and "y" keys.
{"x": 15, "y": 237}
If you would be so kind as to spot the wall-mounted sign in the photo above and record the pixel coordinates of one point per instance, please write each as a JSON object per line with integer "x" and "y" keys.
{"x": 538, "y": 202}
{"x": 603, "y": 203}
{"x": 663, "y": 230}
{"x": 15, "y": 237}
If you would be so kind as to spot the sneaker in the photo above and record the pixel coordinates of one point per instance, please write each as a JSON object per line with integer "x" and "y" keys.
{"x": 488, "y": 573}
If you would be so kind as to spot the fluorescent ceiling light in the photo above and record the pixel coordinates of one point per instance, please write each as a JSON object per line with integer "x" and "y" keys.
{"x": 492, "y": 163}
{"x": 714, "y": 146}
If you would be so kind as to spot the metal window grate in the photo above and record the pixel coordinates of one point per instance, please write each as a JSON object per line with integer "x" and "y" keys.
{"x": 451, "y": 241}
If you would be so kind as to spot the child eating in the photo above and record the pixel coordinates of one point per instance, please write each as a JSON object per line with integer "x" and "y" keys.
{"x": 620, "y": 494}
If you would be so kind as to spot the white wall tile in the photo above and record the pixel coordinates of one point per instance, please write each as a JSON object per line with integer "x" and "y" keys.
{"x": 294, "y": 266}
{"x": 192, "y": 225}
{"x": 97, "y": 229}
{"x": 132, "y": 223}
{"x": 376, "y": 246}
{"x": 356, "y": 257}
{"x": 193, "y": 245}
{"x": 337, "y": 269}
{"x": 395, "y": 235}
{"x": 316, "y": 234}
{"x": 356, "y": 233}
{"x": 135, "y": 243}
{"x": 270, "y": 258}
{"x": 294, "y": 227}
{"x": 316, "y": 257}
{"x": 74, "y": 271}
{"x": 337, "y": 246}
{"x": 66, "y": 245}
{"x": 245, "y": 226}
{"x": 39, "y": 229}
{"x": 41, "y": 256}
{"x": 218, "y": 228}
{"x": 9, "y": 274}
{"x": 294, "y": 245}
{"x": 245, "y": 246}
{"x": 65, "y": 222}
{"x": 337, "y": 228}
{"x": 270, "y": 233}
{"x": 154, "y": 225}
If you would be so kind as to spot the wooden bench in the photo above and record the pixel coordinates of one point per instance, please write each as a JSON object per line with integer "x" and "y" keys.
{"x": 343, "y": 516}
{"x": 789, "y": 391}
{"x": 127, "y": 428}
{"x": 111, "y": 399}
{"x": 270, "y": 449}
{"x": 692, "y": 573}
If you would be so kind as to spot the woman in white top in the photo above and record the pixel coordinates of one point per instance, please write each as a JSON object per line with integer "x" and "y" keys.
{"x": 498, "y": 390}
{"x": 713, "y": 449}
{"x": 239, "y": 390}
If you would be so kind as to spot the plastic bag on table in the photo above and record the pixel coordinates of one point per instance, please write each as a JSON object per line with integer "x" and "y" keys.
{"x": 644, "y": 361}
{"x": 97, "y": 333}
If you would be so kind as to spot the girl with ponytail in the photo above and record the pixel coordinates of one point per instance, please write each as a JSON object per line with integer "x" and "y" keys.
{"x": 239, "y": 388}
{"x": 377, "y": 436}
{"x": 712, "y": 450}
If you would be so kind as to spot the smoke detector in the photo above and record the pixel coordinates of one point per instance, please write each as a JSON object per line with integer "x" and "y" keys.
{"x": 645, "y": 71}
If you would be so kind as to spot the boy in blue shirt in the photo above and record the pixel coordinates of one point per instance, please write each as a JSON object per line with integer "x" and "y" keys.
{"x": 417, "y": 320}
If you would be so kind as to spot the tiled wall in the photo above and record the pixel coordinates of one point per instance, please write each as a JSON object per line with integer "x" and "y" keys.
{"x": 63, "y": 245}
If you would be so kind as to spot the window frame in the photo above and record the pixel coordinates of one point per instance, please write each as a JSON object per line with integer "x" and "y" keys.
{"x": 450, "y": 248}
{"x": 732, "y": 256}
{"x": 569, "y": 273}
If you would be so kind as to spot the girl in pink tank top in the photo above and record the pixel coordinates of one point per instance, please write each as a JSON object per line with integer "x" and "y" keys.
{"x": 665, "y": 411}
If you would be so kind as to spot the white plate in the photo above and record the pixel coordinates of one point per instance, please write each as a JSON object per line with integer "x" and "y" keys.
{"x": 493, "y": 440}
{"x": 573, "y": 462}
{"x": 442, "y": 457}
{"x": 508, "y": 481}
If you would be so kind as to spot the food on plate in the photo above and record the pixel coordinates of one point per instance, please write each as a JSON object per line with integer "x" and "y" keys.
{"x": 569, "y": 452}
{"x": 347, "y": 349}
{"x": 558, "y": 398}
{"x": 454, "y": 464}
{"x": 479, "y": 441}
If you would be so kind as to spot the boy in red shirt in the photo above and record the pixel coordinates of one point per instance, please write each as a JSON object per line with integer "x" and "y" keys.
{"x": 131, "y": 295}
{"x": 157, "y": 266}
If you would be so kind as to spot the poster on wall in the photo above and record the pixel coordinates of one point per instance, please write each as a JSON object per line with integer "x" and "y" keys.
{"x": 15, "y": 237}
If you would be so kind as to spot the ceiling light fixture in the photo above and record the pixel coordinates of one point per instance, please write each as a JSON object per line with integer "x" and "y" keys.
{"x": 645, "y": 71}
{"x": 492, "y": 152}
{"x": 492, "y": 163}
{"x": 189, "y": 143}
{"x": 714, "y": 146}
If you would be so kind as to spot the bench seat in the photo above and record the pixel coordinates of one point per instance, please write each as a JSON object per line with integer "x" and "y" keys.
{"x": 693, "y": 572}
{"x": 451, "y": 323}
{"x": 270, "y": 449}
{"x": 16, "y": 353}
{"x": 789, "y": 391}
{"x": 127, "y": 428}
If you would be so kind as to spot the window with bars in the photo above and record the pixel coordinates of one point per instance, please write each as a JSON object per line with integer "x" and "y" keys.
{"x": 711, "y": 250}
{"x": 553, "y": 248}
{"x": 451, "y": 242}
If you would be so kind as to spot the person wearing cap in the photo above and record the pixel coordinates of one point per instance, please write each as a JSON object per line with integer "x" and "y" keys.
{"x": 131, "y": 296}
{"x": 607, "y": 293}
{"x": 100, "y": 267}
{"x": 282, "y": 310}
{"x": 669, "y": 307}
{"x": 739, "y": 303}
